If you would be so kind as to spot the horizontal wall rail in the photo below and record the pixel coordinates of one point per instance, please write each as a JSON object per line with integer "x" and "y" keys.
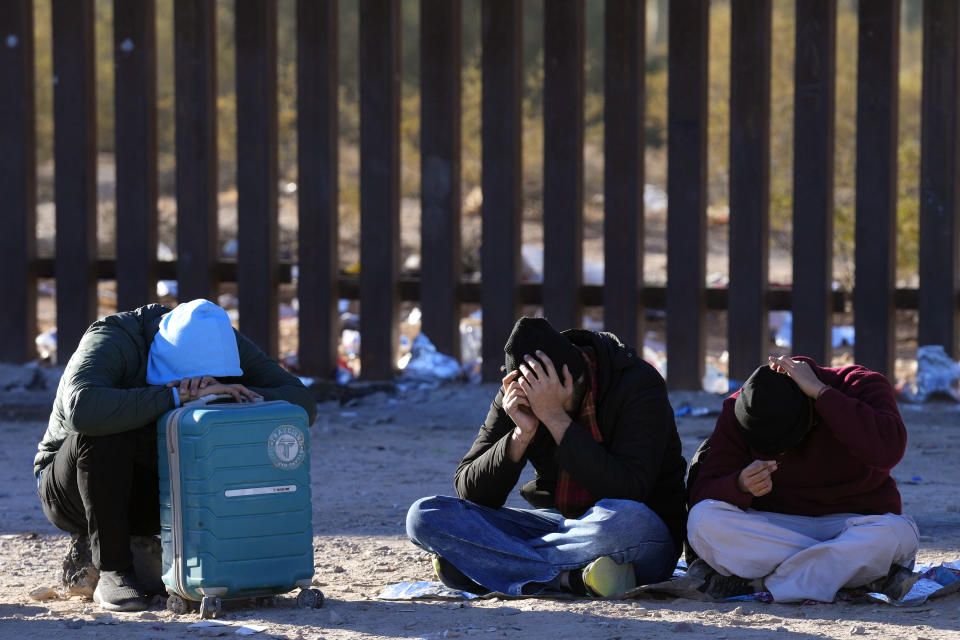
{"x": 442, "y": 286}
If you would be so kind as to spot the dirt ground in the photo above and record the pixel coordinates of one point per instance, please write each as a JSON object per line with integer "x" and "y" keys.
{"x": 372, "y": 457}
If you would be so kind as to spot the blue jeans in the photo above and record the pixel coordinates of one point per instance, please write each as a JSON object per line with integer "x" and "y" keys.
{"x": 506, "y": 549}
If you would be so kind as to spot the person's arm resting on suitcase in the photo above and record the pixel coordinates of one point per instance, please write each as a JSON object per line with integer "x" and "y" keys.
{"x": 192, "y": 388}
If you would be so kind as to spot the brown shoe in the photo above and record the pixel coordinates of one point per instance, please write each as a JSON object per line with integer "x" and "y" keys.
{"x": 79, "y": 575}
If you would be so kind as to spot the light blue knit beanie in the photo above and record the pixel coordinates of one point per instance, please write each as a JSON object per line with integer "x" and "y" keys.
{"x": 195, "y": 339}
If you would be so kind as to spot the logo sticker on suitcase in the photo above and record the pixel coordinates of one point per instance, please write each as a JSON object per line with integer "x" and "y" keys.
{"x": 285, "y": 447}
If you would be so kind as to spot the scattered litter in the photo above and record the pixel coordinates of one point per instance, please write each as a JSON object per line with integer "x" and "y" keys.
{"x": 16, "y": 377}
{"x": 47, "y": 346}
{"x": 414, "y": 590}
{"x": 935, "y": 581}
{"x": 415, "y": 316}
{"x": 657, "y": 358}
{"x": 349, "y": 321}
{"x": 714, "y": 381}
{"x": 350, "y": 341}
{"x": 696, "y": 412}
{"x": 426, "y": 363}
{"x": 784, "y": 334}
{"x": 841, "y": 336}
{"x": 167, "y": 288}
{"x": 937, "y": 375}
{"x": 857, "y": 630}
{"x": 290, "y": 362}
{"x": 250, "y": 629}
{"x": 344, "y": 374}
{"x": 532, "y": 259}
{"x": 213, "y": 628}
{"x": 654, "y": 198}
{"x": 471, "y": 347}
{"x": 228, "y": 301}
{"x": 593, "y": 272}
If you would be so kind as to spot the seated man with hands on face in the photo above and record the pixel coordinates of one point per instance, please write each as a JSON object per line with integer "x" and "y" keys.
{"x": 96, "y": 466}
{"x": 595, "y": 422}
{"x": 794, "y": 496}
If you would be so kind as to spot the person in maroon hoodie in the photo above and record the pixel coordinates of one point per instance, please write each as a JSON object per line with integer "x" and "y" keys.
{"x": 795, "y": 496}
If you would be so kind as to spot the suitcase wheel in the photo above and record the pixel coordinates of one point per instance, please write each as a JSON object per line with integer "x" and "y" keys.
{"x": 209, "y": 607}
{"x": 310, "y": 599}
{"x": 177, "y": 605}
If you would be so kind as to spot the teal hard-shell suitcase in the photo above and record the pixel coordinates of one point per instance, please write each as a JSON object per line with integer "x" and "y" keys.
{"x": 235, "y": 509}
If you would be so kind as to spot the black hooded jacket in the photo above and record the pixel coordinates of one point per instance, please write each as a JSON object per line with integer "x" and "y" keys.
{"x": 639, "y": 459}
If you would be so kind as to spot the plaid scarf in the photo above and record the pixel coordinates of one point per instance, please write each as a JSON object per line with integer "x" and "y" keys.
{"x": 573, "y": 500}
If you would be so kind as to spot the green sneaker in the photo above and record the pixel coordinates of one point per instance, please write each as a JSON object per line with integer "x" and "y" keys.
{"x": 605, "y": 578}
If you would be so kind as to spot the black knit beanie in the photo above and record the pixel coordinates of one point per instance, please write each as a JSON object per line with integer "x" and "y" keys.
{"x": 530, "y": 334}
{"x": 773, "y": 414}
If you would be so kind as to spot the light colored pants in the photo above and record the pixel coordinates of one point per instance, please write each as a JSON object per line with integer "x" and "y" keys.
{"x": 801, "y": 557}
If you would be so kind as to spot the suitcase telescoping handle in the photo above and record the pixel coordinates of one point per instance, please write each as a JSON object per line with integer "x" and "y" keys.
{"x": 212, "y": 398}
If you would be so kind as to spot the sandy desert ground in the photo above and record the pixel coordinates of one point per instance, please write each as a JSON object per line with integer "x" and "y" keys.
{"x": 371, "y": 457}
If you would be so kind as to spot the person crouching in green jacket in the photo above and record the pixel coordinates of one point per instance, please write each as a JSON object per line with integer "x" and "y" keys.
{"x": 96, "y": 466}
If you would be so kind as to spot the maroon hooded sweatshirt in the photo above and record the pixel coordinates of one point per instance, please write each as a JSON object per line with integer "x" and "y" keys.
{"x": 842, "y": 466}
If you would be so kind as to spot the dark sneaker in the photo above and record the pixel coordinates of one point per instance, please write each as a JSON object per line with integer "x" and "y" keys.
{"x": 720, "y": 587}
{"x": 148, "y": 563}
{"x": 723, "y": 587}
{"x": 119, "y": 591}
{"x": 606, "y": 578}
{"x": 79, "y": 575}
{"x": 895, "y": 584}
{"x": 453, "y": 578}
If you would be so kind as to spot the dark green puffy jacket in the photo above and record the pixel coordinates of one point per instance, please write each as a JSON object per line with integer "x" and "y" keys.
{"x": 104, "y": 390}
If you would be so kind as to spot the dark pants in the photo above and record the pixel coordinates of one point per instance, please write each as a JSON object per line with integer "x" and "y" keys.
{"x": 105, "y": 486}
